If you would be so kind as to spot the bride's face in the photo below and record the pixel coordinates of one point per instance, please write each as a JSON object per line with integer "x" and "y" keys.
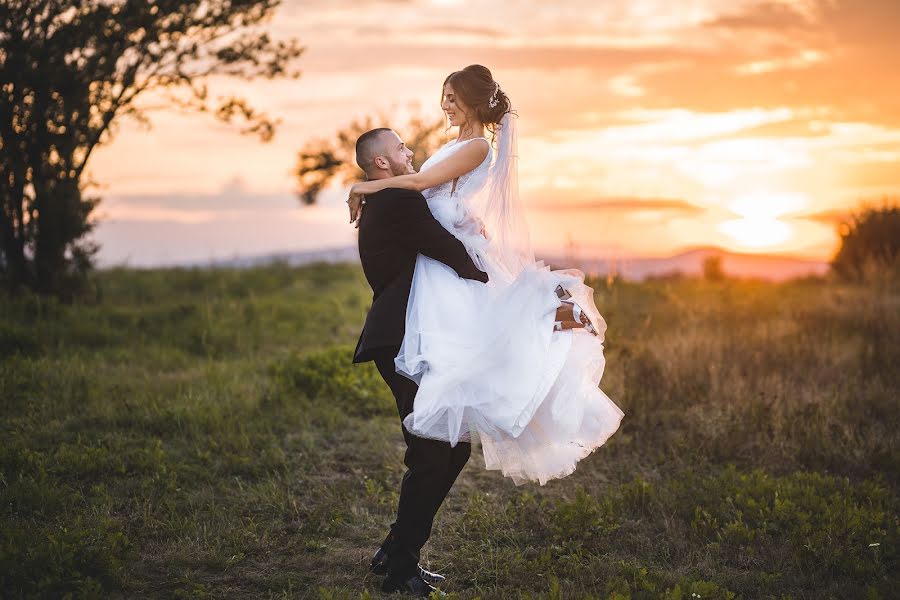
{"x": 457, "y": 112}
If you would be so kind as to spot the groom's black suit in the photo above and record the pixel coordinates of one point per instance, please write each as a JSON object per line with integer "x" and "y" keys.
{"x": 394, "y": 228}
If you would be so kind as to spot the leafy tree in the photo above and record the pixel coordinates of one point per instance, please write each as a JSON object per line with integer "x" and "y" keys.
{"x": 870, "y": 243}
{"x": 70, "y": 70}
{"x": 324, "y": 160}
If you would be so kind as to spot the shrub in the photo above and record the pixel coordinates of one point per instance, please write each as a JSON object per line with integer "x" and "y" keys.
{"x": 829, "y": 525}
{"x": 712, "y": 268}
{"x": 79, "y": 559}
{"x": 641, "y": 582}
{"x": 330, "y": 375}
{"x": 870, "y": 243}
{"x": 584, "y": 519}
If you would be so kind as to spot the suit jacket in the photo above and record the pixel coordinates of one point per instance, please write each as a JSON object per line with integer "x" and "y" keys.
{"x": 396, "y": 226}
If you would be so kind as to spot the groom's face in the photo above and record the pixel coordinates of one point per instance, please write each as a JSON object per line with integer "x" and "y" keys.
{"x": 397, "y": 155}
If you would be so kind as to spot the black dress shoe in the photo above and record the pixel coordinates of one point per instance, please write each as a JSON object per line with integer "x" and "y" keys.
{"x": 415, "y": 585}
{"x": 379, "y": 566}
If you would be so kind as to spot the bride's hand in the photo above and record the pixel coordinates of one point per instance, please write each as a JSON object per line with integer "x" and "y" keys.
{"x": 355, "y": 203}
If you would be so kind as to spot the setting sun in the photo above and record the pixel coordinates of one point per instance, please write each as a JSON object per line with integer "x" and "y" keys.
{"x": 756, "y": 232}
{"x": 759, "y": 225}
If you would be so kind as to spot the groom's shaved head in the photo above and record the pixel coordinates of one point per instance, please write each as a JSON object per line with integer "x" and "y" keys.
{"x": 381, "y": 153}
{"x": 368, "y": 146}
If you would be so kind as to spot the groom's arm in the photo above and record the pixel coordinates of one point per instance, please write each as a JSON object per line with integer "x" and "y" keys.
{"x": 424, "y": 234}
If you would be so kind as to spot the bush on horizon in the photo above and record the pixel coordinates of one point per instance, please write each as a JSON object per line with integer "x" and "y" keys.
{"x": 870, "y": 244}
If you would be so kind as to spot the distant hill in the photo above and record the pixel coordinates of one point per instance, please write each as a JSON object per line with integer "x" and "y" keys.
{"x": 690, "y": 262}
{"x": 347, "y": 254}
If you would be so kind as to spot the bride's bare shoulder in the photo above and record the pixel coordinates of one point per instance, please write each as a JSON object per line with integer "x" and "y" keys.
{"x": 487, "y": 142}
{"x": 474, "y": 150}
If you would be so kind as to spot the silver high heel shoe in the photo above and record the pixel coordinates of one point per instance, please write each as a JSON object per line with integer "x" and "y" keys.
{"x": 565, "y": 297}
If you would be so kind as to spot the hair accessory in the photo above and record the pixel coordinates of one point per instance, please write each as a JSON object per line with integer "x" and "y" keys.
{"x": 494, "y": 100}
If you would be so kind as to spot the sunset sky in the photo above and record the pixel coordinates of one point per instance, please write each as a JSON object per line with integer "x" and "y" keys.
{"x": 645, "y": 126}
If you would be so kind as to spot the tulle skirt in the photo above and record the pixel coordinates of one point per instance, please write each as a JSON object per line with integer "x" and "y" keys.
{"x": 492, "y": 370}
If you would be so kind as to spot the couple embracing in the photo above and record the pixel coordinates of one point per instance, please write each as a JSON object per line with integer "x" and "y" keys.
{"x": 477, "y": 341}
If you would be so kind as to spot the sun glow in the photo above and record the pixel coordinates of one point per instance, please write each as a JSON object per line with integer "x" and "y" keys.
{"x": 756, "y": 232}
{"x": 759, "y": 225}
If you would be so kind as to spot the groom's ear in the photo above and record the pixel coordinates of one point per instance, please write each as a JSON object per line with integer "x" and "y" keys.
{"x": 380, "y": 162}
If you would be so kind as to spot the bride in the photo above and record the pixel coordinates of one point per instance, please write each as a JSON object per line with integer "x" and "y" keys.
{"x": 491, "y": 360}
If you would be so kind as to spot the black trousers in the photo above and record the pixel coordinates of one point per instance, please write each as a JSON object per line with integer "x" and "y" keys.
{"x": 432, "y": 467}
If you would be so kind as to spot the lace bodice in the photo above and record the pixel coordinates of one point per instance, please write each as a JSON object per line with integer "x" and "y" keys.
{"x": 479, "y": 172}
{"x": 450, "y": 208}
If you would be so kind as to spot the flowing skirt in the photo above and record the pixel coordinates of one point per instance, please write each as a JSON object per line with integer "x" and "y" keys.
{"x": 491, "y": 369}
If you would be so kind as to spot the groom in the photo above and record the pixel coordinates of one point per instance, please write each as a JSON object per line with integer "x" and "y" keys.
{"x": 394, "y": 228}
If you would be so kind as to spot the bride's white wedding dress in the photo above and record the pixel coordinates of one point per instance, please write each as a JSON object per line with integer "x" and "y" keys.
{"x": 489, "y": 365}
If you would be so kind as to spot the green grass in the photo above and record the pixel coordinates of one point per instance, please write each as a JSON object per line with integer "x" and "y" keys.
{"x": 202, "y": 434}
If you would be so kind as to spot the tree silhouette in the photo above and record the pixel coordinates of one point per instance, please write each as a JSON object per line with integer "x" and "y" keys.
{"x": 70, "y": 70}
{"x": 324, "y": 160}
{"x": 870, "y": 243}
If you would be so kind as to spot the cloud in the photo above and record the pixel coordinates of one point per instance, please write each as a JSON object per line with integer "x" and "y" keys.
{"x": 828, "y": 217}
{"x": 802, "y": 60}
{"x": 625, "y": 204}
{"x": 382, "y": 31}
{"x": 873, "y": 175}
{"x": 599, "y": 58}
{"x": 765, "y": 16}
{"x": 527, "y": 22}
{"x": 231, "y": 203}
{"x": 829, "y": 54}
{"x": 710, "y": 56}
{"x": 792, "y": 128}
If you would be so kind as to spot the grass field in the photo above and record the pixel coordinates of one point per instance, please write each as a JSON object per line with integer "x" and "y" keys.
{"x": 202, "y": 434}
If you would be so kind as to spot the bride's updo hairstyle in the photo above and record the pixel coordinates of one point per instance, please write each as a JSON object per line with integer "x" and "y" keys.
{"x": 476, "y": 87}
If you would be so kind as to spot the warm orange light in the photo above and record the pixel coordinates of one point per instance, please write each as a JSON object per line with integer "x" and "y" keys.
{"x": 760, "y": 225}
{"x": 756, "y": 232}
{"x": 767, "y": 205}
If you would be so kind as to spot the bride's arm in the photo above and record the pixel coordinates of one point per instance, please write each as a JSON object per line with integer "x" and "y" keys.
{"x": 456, "y": 165}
